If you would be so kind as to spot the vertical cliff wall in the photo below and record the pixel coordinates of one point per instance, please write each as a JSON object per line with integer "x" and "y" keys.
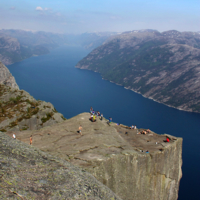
{"x": 143, "y": 176}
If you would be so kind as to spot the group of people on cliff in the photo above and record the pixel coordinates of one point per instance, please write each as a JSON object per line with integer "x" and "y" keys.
{"x": 95, "y": 114}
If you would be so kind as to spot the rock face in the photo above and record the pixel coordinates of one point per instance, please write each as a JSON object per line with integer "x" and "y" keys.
{"x": 9, "y": 49}
{"x": 20, "y": 111}
{"x": 116, "y": 156}
{"x": 6, "y": 77}
{"x": 17, "y": 45}
{"x": 28, "y": 173}
{"x": 161, "y": 66}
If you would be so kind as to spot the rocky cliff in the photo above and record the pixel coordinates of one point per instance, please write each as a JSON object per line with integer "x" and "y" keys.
{"x": 161, "y": 66}
{"x": 17, "y": 45}
{"x": 116, "y": 156}
{"x": 20, "y": 111}
{"x": 6, "y": 77}
{"x": 28, "y": 173}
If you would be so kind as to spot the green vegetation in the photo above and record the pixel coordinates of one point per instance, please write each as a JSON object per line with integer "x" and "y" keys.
{"x": 54, "y": 110}
{"x": 12, "y": 124}
{"x": 63, "y": 117}
{"x": 22, "y": 107}
{"x": 15, "y": 100}
{"x": 48, "y": 116}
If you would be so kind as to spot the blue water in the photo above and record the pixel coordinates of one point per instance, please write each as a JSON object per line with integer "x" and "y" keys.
{"x": 54, "y": 79}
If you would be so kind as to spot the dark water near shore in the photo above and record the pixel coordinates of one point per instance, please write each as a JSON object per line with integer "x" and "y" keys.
{"x": 54, "y": 79}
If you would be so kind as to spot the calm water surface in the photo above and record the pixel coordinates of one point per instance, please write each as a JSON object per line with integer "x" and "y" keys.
{"x": 54, "y": 79}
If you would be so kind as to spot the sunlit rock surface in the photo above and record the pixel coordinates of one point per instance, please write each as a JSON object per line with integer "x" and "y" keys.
{"x": 28, "y": 173}
{"x": 6, "y": 77}
{"x": 116, "y": 156}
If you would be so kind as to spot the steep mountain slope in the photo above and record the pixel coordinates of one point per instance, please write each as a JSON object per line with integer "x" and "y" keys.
{"x": 162, "y": 66}
{"x": 6, "y": 77}
{"x": 20, "y": 111}
{"x": 16, "y": 45}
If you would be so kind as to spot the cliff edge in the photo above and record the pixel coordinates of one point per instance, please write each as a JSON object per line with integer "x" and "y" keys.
{"x": 6, "y": 77}
{"x": 116, "y": 155}
{"x": 28, "y": 173}
{"x": 20, "y": 111}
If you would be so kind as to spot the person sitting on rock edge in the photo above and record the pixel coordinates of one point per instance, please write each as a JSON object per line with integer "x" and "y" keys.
{"x": 91, "y": 117}
{"x": 94, "y": 118}
{"x": 144, "y": 132}
{"x": 148, "y": 131}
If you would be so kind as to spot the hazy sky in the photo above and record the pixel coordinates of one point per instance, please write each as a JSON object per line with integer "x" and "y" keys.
{"x": 78, "y": 16}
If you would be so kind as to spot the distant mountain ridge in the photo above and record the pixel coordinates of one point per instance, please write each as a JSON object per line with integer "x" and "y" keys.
{"x": 16, "y": 45}
{"x": 162, "y": 66}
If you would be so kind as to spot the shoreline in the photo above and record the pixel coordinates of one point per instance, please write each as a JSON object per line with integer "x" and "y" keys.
{"x": 128, "y": 88}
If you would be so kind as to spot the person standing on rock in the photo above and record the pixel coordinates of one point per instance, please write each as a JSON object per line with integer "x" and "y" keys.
{"x": 135, "y": 127}
{"x": 80, "y": 129}
{"x": 31, "y": 140}
{"x": 101, "y": 116}
{"x": 132, "y": 127}
{"x": 14, "y": 136}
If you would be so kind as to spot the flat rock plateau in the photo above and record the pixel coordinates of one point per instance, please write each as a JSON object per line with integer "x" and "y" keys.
{"x": 115, "y": 155}
{"x": 28, "y": 173}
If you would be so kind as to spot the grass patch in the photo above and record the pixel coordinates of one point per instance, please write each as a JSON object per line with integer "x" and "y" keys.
{"x": 13, "y": 124}
{"x": 15, "y": 100}
{"x": 48, "y": 116}
{"x": 63, "y": 117}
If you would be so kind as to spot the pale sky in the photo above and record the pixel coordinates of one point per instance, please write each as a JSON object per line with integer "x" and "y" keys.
{"x": 79, "y": 16}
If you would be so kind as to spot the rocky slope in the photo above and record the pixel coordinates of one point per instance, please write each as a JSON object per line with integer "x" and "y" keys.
{"x": 6, "y": 77}
{"x": 116, "y": 156}
{"x": 162, "y": 66}
{"x": 20, "y": 111}
{"x": 28, "y": 173}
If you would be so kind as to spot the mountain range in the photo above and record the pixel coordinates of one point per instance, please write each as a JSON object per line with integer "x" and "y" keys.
{"x": 161, "y": 66}
{"x": 16, "y": 45}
